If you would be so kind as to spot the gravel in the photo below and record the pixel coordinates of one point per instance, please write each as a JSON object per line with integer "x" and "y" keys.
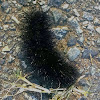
{"x": 71, "y": 41}
{"x": 86, "y": 53}
{"x": 55, "y": 3}
{"x": 73, "y": 53}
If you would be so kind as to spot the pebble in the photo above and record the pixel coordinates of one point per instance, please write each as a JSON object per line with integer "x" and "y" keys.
{"x": 71, "y": 41}
{"x": 86, "y": 53}
{"x": 5, "y": 27}
{"x": 93, "y": 43}
{"x": 15, "y": 19}
{"x": 97, "y": 74}
{"x": 65, "y": 6}
{"x": 98, "y": 42}
{"x": 1, "y": 44}
{"x": 2, "y": 55}
{"x": 6, "y": 69}
{"x": 6, "y": 49}
{"x": 0, "y": 67}
{"x": 73, "y": 53}
{"x": 2, "y": 61}
{"x": 98, "y": 30}
{"x": 76, "y": 12}
{"x": 4, "y": 77}
{"x": 23, "y": 64}
{"x": 79, "y": 31}
{"x": 97, "y": 7}
{"x": 94, "y": 52}
{"x": 8, "y": 10}
{"x": 74, "y": 22}
{"x": 4, "y": 5}
{"x": 45, "y": 8}
{"x": 81, "y": 70}
{"x": 92, "y": 70}
{"x": 82, "y": 98}
{"x": 11, "y": 59}
{"x": 90, "y": 27}
{"x": 57, "y": 15}
{"x": 71, "y": 1}
{"x": 42, "y": 2}
{"x": 8, "y": 22}
{"x": 96, "y": 22}
{"x": 30, "y": 97}
{"x": 55, "y": 3}
{"x": 85, "y": 22}
{"x": 2, "y": 34}
{"x": 71, "y": 18}
{"x": 22, "y": 2}
{"x": 8, "y": 98}
{"x": 98, "y": 58}
{"x": 87, "y": 16}
{"x": 34, "y": 2}
{"x": 80, "y": 40}
{"x": 83, "y": 82}
{"x": 67, "y": 10}
{"x": 98, "y": 88}
{"x": 60, "y": 33}
{"x": 1, "y": 27}
{"x": 12, "y": 27}
{"x": 89, "y": 10}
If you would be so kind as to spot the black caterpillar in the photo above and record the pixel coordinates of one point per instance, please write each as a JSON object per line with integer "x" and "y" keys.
{"x": 50, "y": 69}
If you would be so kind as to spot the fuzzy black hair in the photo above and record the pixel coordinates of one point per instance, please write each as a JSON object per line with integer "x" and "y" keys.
{"x": 50, "y": 69}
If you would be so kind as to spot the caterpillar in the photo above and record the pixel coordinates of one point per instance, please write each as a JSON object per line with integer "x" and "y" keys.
{"x": 49, "y": 67}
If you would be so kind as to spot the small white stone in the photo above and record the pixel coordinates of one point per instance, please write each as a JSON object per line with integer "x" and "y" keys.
{"x": 6, "y": 49}
{"x": 14, "y": 2}
{"x": 15, "y": 19}
{"x": 90, "y": 27}
{"x": 65, "y": 6}
{"x": 97, "y": 7}
{"x": 77, "y": 18}
{"x": 34, "y": 2}
{"x": 65, "y": 28}
{"x": 85, "y": 22}
{"x": 11, "y": 58}
{"x": 81, "y": 39}
{"x": 0, "y": 44}
{"x": 76, "y": 12}
{"x": 56, "y": 28}
{"x": 88, "y": 16}
{"x": 93, "y": 43}
{"x": 98, "y": 30}
{"x": 45, "y": 8}
{"x": 5, "y": 27}
{"x": 79, "y": 30}
{"x": 71, "y": 18}
{"x": 96, "y": 20}
{"x": 42, "y": 2}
